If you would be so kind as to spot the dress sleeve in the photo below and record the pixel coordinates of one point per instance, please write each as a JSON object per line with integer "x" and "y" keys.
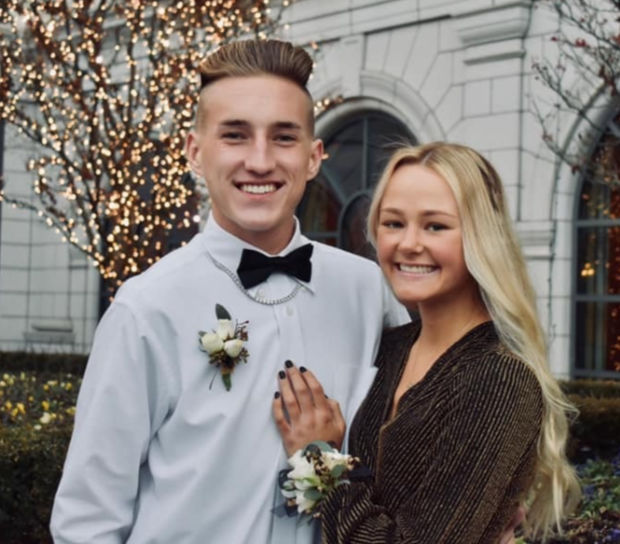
{"x": 114, "y": 419}
{"x": 492, "y": 420}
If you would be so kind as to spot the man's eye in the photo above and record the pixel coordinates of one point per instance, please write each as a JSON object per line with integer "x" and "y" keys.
{"x": 286, "y": 138}
{"x": 233, "y": 135}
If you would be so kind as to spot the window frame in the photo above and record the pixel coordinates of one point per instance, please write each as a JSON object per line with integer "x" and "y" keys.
{"x": 578, "y": 224}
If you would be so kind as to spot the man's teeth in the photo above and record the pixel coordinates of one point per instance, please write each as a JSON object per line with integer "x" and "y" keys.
{"x": 416, "y": 269}
{"x": 259, "y": 189}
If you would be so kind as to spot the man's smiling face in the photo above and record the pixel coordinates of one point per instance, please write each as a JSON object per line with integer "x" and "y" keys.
{"x": 256, "y": 152}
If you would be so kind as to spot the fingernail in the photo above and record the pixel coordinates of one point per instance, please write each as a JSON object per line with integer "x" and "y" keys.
{"x": 282, "y": 374}
{"x": 288, "y": 363}
{"x": 276, "y": 395}
{"x": 302, "y": 369}
{"x": 326, "y": 396}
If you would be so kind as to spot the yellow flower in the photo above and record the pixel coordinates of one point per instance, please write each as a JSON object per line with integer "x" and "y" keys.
{"x": 46, "y": 387}
{"x": 45, "y": 405}
{"x": 20, "y": 407}
{"x": 8, "y": 404}
{"x": 2, "y": 383}
{"x": 45, "y": 418}
{"x": 69, "y": 386}
{"x": 70, "y": 410}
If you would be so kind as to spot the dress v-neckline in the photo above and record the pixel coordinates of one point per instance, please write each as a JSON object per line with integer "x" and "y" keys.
{"x": 390, "y": 413}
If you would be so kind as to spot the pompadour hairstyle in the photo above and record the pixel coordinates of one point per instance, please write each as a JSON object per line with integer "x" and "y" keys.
{"x": 254, "y": 58}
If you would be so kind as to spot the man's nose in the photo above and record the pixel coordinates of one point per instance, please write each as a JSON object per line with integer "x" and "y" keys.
{"x": 260, "y": 159}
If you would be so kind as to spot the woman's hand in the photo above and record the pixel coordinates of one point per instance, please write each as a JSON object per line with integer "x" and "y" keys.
{"x": 311, "y": 415}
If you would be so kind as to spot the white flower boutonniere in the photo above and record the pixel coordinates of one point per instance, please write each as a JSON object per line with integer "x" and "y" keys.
{"x": 316, "y": 470}
{"x": 225, "y": 345}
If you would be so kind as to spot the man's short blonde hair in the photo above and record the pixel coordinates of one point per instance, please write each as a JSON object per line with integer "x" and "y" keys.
{"x": 254, "y": 58}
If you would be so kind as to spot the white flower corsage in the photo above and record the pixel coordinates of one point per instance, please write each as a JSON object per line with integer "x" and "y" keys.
{"x": 225, "y": 345}
{"x": 317, "y": 469}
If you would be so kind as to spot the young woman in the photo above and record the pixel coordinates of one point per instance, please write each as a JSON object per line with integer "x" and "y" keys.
{"x": 464, "y": 420}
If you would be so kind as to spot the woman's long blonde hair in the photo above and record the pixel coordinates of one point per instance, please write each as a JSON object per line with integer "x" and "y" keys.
{"x": 494, "y": 259}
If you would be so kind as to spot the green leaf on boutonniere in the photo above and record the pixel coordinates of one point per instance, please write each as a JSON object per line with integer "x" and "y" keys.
{"x": 338, "y": 470}
{"x": 225, "y": 345}
{"x": 221, "y": 312}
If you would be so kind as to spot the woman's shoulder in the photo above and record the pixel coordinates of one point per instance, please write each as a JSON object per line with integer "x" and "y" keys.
{"x": 494, "y": 369}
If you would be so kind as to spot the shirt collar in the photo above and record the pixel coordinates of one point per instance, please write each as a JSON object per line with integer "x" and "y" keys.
{"x": 226, "y": 248}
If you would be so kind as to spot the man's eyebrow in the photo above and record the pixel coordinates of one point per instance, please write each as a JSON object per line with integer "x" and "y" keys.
{"x": 234, "y": 123}
{"x": 290, "y": 125}
{"x": 240, "y": 123}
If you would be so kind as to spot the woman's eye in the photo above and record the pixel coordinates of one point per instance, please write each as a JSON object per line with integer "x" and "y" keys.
{"x": 434, "y": 227}
{"x": 392, "y": 224}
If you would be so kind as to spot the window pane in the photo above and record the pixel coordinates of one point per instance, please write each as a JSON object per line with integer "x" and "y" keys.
{"x": 598, "y": 258}
{"x": 384, "y": 136}
{"x": 598, "y": 336}
{"x": 343, "y": 162}
{"x": 353, "y": 234}
{"x": 599, "y": 201}
{"x": 320, "y": 209}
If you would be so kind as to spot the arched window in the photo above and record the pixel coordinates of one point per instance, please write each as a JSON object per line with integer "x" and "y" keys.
{"x": 335, "y": 204}
{"x": 597, "y": 294}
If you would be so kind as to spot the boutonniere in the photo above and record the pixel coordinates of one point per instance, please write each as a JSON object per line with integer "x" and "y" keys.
{"x": 225, "y": 345}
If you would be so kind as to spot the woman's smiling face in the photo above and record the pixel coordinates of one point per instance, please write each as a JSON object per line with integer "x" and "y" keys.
{"x": 419, "y": 238}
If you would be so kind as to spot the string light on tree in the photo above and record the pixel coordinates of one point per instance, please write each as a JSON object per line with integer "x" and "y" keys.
{"x": 107, "y": 90}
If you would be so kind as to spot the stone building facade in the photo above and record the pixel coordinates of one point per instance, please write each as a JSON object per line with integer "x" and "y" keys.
{"x": 389, "y": 71}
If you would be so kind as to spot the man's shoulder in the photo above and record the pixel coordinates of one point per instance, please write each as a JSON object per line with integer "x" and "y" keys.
{"x": 172, "y": 270}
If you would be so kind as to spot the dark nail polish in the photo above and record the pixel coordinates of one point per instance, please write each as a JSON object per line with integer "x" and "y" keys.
{"x": 276, "y": 395}
{"x": 282, "y": 374}
{"x": 288, "y": 363}
{"x": 302, "y": 369}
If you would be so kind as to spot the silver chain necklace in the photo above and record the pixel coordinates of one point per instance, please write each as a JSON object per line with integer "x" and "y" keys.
{"x": 260, "y": 300}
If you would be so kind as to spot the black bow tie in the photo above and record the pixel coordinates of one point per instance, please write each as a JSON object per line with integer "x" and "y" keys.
{"x": 255, "y": 267}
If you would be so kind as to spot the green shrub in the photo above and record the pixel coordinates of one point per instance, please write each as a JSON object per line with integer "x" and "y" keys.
{"x": 37, "y": 405}
{"x": 54, "y": 363}
{"x": 592, "y": 388}
{"x": 596, "y": 431}
{"x": 30, "y": 468}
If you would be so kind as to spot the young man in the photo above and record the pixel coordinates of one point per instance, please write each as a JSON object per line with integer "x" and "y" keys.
{"x": 162, "y": 451}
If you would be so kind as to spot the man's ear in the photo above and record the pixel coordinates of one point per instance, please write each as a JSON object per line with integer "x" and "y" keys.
{"x": 316, "y": 156}
{"x": 192, "y": 150}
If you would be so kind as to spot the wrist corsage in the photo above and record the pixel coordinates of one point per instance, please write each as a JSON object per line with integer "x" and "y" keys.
{"x": 316, "y": 470}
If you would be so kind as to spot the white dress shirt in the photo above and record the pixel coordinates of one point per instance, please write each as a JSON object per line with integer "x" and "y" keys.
{"x": 161, "y": 452}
